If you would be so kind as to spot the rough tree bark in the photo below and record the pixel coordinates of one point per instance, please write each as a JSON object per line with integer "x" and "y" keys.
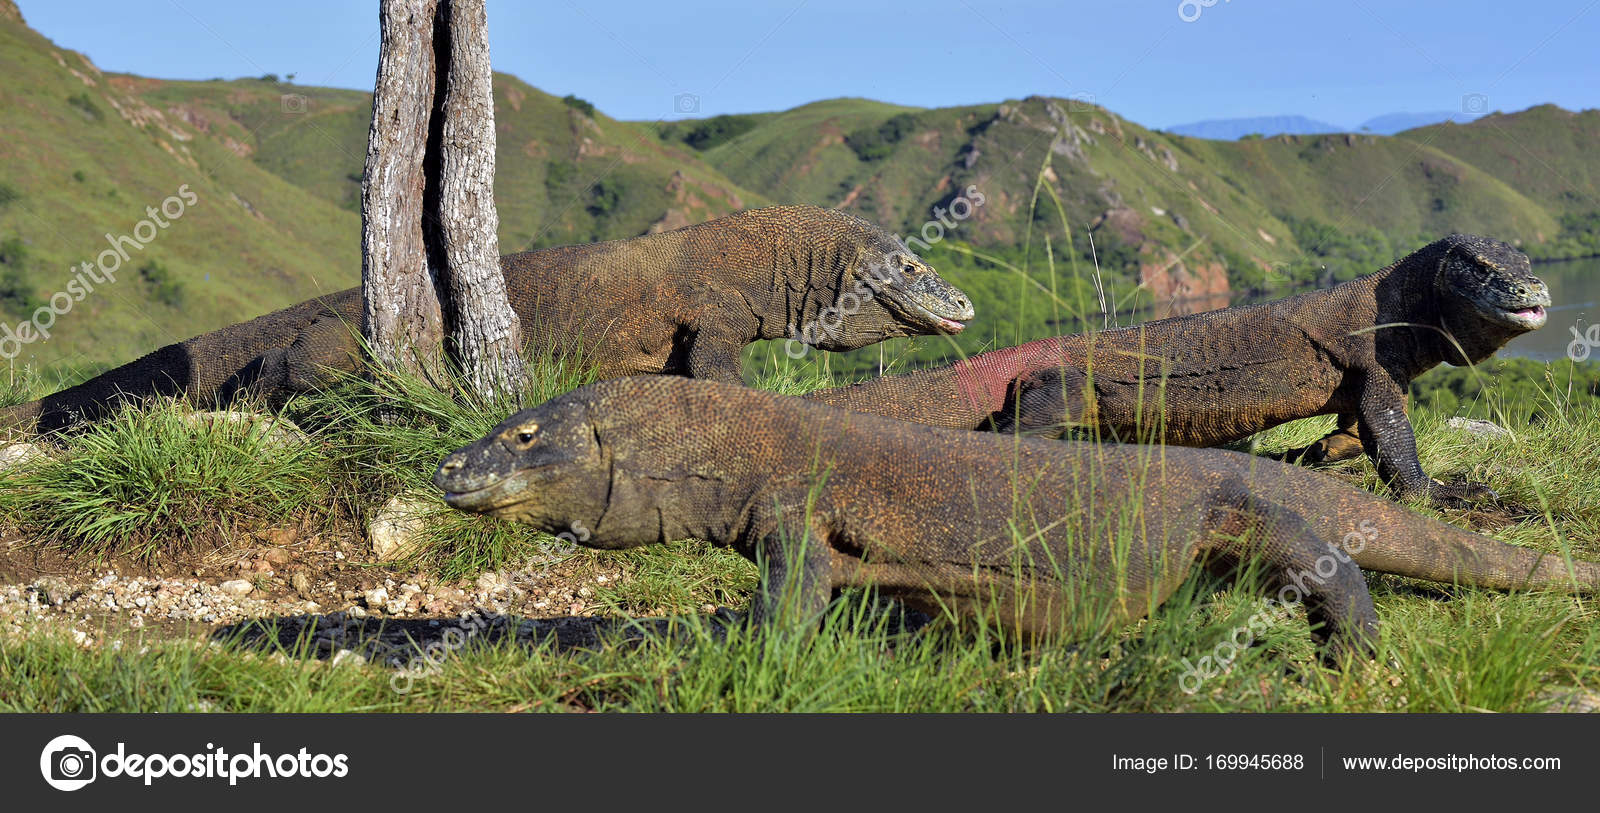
{"x": 401, "y": 316}
{"x": 484, "y": 332}
{"x": 430, "y": 266}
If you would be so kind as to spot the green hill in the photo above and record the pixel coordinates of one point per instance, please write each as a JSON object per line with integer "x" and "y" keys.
{"x": 1145, "y": 218}
{"x": 83, "y": 156}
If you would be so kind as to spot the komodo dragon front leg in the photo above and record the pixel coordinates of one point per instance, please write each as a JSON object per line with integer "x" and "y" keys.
{"x": 714, "y": 354}
{"x": 1387, "y": 438}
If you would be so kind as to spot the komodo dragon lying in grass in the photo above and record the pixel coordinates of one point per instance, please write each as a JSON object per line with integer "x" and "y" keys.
{"x": 1216, "y": 377}
{"x": 685, "y": 301}
{"x": 926, "y": 513}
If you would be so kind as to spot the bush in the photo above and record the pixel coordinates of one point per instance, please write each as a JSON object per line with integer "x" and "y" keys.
{"x": 874, "y": 144}
{"x": 86, "y": 106}
{"x": 716, "y": 130}
{"x": 557, "y": 174}
{"x": 163, "y": 288}
{"x": 8, "y": 194}
{"x": 16, "y": 293}
{"x": 580, "y": 105}
{"x": 604, "y": 199}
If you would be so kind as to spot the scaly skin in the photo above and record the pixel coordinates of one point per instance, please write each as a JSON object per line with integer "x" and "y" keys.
{"x": 925, "y": 513}
{"x": 1216, "y": 377}
{"x": 680, "y": 302}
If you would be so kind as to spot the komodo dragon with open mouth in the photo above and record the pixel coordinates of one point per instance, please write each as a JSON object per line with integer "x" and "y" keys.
{"x": 978, "y": 522}
{"x": 1216, "y": 377}
{"x": 685, "y": 301}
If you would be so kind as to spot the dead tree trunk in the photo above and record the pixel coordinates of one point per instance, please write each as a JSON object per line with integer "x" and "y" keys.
{"x": 430, "y": 269}
{"x": 401, "y": 316}
{"x": 485, "y": 335}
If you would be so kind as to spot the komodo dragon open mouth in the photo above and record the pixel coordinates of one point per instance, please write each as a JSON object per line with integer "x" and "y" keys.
{"x": 1526, "y": 314}
{"x": 929, "y": 300}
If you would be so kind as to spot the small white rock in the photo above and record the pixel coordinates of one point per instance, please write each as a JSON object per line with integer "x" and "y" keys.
{"x": 271, "y": 431}
{"x": 397, "y": 528}
{"x": 238, "y": 588}
{"x": 19, "y": 456}
{"x": 376, "y": 598}
{"x": 345, "y": 656}
{"x": 1477, "y": 428}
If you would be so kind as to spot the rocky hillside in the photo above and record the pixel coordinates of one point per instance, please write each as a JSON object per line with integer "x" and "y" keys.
{"x": 1065, "y": 188}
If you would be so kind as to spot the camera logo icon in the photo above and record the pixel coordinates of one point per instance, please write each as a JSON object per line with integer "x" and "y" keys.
{"x": 293, "y": 102}
{"x": 68, "y": 763}
{"x": 685, "y": 104}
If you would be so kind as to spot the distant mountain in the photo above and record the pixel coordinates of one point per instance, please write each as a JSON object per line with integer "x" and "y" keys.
{"x": 1386, "y": 124}
{"x": 1391, "y": 123}
{"x": 1232, "y": 129}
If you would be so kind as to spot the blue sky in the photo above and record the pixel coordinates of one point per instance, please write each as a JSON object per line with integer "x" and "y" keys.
{"x": 1341, "y": 61}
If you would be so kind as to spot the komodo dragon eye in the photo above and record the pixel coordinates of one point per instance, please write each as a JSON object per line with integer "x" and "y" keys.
{"x": 527, "y": 434}
{"x": 909, "y": 269}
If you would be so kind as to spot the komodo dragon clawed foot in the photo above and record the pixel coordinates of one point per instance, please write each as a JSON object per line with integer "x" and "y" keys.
{"x": 1335, "y": 447}
{"x": 1462, "y": 495}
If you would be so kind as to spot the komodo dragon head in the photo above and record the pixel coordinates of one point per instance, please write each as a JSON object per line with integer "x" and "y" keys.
{"x": 886, "y": 291}
{"x": 543, "y": 466}
{"x": 915, "y": 297}
{"x": 1488, "y": 295}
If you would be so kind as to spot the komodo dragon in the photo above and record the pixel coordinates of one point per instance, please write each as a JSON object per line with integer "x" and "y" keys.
{"x": 684, "y": 301}
{"x": 1212, "y": 378}
{"x": 928, "y": 514}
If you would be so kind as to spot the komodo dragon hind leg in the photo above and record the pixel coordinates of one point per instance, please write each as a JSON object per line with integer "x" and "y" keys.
{"x": 796, "y": 578}
{"x": 1049, "y": 404}
{"x": 321, "y": 351}
{"x": 1343, "y": 443}
{"x": 1301, "y": 566}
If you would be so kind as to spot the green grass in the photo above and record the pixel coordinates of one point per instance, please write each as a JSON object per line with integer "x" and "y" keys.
{"x": 1445, "y": 649}
{"x": 150, "y": 484}
{"x": 1468, "y": 652}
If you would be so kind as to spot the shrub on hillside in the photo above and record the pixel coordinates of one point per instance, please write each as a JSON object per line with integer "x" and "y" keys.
{"x": 876, "y": 143}
{"x": 581, "y": 105}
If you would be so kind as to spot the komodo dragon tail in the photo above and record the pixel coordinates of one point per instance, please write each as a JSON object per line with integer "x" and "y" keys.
{"x": 1393, "y": 539}
{"x": 273, "y": 356}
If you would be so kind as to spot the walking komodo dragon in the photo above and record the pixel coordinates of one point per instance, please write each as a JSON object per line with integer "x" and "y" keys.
{"x": 1213, "y": 378}
{"x": 684, "y": 301}
{"x": 978, "y": 522}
